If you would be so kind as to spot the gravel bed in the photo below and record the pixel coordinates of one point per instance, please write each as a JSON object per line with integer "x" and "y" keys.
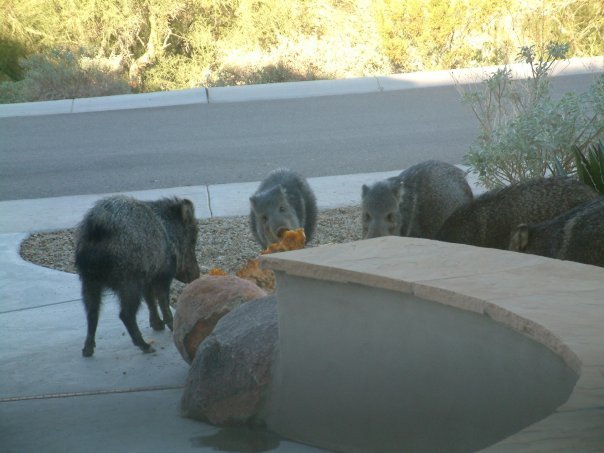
{"x": 224, "y": 242}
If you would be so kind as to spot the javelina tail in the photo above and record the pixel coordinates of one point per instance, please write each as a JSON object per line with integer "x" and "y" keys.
{"x": 92, "y": 259}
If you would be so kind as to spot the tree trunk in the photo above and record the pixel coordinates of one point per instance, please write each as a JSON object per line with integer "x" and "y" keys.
{"x": 152, "y": 50}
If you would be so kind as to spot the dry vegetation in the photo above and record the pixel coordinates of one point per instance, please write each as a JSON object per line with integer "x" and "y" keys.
{"x": 52, "y": 49}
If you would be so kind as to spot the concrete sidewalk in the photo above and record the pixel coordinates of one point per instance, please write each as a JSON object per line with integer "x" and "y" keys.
{"x": 220, "y": 200}
{"x": 53, "y": 399}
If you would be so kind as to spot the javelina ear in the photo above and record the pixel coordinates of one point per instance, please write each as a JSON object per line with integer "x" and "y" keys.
{"x": 187, "y": 211}
{"x": 364, "y": 190}
{"x": 398, "y": 190}
{"x": 283, "y": 191}
{"x": 520, "y": 238}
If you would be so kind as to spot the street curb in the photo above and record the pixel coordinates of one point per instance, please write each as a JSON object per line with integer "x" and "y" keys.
{"x": 289, "y": 90}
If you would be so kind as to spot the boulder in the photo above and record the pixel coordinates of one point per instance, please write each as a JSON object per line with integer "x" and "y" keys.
{"x": 201, "y": 305}
{"x": 230, "y": 375}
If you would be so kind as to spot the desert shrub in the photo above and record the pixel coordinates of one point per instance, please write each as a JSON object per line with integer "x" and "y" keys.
{"x": 175, "y": 72}
{"x": 256, "y": 72}
{"x": 590, "y": 165}
{"x": 11, "y": 92}
{"x": 169, "y": 44}
{"x": 444, "y": 34}
{"x": 66, "y": 74}
{"x": 318, "y": 39}
{"x": 301, "y": 58}
{"x": 11, "y": 51}
{"x": 524, "y": 133}
{"x": 580, "y": 23}
{"x": 421, "y": 35}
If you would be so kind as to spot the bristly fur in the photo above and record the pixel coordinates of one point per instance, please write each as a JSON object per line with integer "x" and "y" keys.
{"x": 415, "y": 203}
{"x": 134, "y": 248}
{"x": 489, "y": 220}
{"x": 576, "y": 235}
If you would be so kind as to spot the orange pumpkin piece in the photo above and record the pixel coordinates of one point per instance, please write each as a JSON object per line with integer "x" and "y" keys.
{"x": 264, "y": 278}
{"x": 217, "y": 272}
{"x": 290, "y": 240}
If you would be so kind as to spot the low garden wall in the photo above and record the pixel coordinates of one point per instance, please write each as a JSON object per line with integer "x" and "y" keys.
{"x": 403, "y": 344}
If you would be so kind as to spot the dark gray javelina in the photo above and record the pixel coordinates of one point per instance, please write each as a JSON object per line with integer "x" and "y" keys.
{"x": 576, "y": 235}
{"x": 283, "y": 201}
{"x": 414, "y": 203}
{"x": 135, "y": 248}
{"x": 489, "y": 219}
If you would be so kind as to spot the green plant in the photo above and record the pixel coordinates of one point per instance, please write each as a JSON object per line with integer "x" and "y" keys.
{"x": 65, "y": 74}
{"x": 11, "y": 92}
{"x": 590, "y": 165}
{"x": 524, "y": 133}
{"x": 11, "y": 51}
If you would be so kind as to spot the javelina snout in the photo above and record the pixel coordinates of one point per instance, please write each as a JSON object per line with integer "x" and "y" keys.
{"x": 284, "y": 201}
{"x": 274, "y": 214}
{"x": 187, "y": 268}
{"x": 188, "y": 274}
{"x": 381, "y": 211}
{"x": 135, "y": 249}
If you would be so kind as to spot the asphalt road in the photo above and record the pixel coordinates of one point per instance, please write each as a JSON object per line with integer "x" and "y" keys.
{"x": 112, "y": 151}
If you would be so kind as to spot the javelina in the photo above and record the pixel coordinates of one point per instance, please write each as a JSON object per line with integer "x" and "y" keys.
{"x": 576, "y": 235}
{"x": 414, "y": 203}
{"x": 489, "y": 219}
{"x": 283, "y": 201}
{"x": 135, "y": 248}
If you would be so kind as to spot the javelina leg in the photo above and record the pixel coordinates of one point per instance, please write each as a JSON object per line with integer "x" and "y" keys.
{"x": 130, "y": 302}
{"x": 91, "y": 293}
{"x": 163, "y": 297}
{"x": 154, "y": 320}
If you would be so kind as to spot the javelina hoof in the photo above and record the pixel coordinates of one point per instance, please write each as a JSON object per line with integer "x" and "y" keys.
{"x": 88, "y": 349}
{"x": 148, "y": 349}
{"x": 157, "y": 324}
{"x": 143, "y": 345}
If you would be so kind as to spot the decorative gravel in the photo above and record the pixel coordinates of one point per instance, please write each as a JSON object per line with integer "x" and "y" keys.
{"x": 224, "y": 242}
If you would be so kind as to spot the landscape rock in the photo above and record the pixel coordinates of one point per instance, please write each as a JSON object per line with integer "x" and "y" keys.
{"x": 201, "y": 305}
{"x": 231, "y": 372}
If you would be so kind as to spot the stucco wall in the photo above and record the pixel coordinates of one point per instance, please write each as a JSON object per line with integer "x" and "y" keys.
{"x": 362, "y": 368}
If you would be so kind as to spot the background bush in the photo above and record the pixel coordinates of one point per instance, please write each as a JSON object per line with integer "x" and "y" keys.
{"x": 524, "y": 133}
{"x": 63, "y": 74}
{"x": 170, "y": 44}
